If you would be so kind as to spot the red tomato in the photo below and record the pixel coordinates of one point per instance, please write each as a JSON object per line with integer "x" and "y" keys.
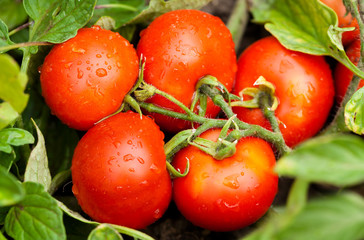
{"x": 181, "y": 47}
{"x": 304, "y": 88}
{"x": 119, "y": 171}
{"x": 345, "y": 20}
{"x": 86, "y": 78}
{"x": 229, "y": 194}
{"x": 343, "y": 75}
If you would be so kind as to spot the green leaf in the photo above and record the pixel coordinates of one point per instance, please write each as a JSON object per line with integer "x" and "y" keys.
{"x": 37, "y": 168}
{"x": 159, "y": 7}
{"x": 121, "y": 11}
{"x": 306, "y": 26}
{"x": 11, "y": 191}
{"x": 338, "y": 217}
{"x": 4, "y": 35}
{"x": 123, "y": 230}
{"x": 14, "y": 137}
{"x": 56, "y": 21}
{"x": 334, "y": 159}
{"x": 354, "y": 112}
{"x": 12, "y": 83}
{"x": 104, "y": 232}
{"x": 36, "y": 217}
{"x": 12, "y": 13}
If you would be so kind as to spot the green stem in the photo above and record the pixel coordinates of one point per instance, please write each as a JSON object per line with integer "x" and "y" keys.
{"x": 26, "y": 44}
{"x": 175, "y": 101}
{"x": 117, "y": 5}
{"x": 21, "y": 27}
{"x": 238, "y": 21}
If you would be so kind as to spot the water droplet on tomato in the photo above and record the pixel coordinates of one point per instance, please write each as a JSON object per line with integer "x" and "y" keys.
{"x": 88, "y": 68}
{"x": 78, "y": 50}
{"x": 157, "y": 214}
{"x": 118, "y": 64}
{"x": 79, "y": 73}
{"x": 131, "y": 170}
{"x": 155, "y": 168}
{"x": 141, "y": 160}
{"x": 75, "y": 190}
{"x": 101, "y": 72}
{"x": 68, "y": 65}
{"x": 79, "y": 62}
{"x": 231, "y": 181}
{"x": 98, "y": 55}
{"x": 128, "y": 157}
{"x": 144, "y": 183}
{"x": 109, "y": 67}
{"x": 88, "y": 62}
{"x": 242, "y": 173}
{"x": 130, "y": 142}
{"x": 205, "y": 175}
{"x": 108, "y": 55}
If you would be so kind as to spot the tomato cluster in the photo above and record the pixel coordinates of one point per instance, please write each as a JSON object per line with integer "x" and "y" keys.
{"x": 119, "y": 168}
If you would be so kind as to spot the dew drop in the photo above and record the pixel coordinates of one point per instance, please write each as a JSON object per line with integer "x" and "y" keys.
{"x": 109, "y": 67}
{"x": 75, "y": 190}
{"x": 232, "y": 181}
{"x": 154, "y": 168}
{"x": 128, "y": 157}
{"x": 157, "y": 214}
{"x": 118, "y": 64}
{"x": 78, "y": 50}
{"x": 79, "y": 73}
{"x": 141, "y": 160}
{"x": 205, "y": 175}
{"x": 68, "y": 65}
{"x": 131, "y": 170}
{"x": 98, "y": 55}
{"x": 130, "y": 142}
{"x": 101, "y": 72}
{"x": 109, "y": 55}
{"x": 88, "y": 68}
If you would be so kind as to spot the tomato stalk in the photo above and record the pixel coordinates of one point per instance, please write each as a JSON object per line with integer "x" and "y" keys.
{"x": 208, "y": 123}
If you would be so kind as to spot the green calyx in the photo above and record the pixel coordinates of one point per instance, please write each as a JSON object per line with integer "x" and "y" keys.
{"x": 264, "y": 89}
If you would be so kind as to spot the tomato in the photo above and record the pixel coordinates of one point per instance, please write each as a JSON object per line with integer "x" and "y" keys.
{"x": 119, "y": 171}
{"x": 181, "y": 47}
{"x": 86, "y": 78}
{"x": 345, "y": 20}
{"x": 304, "y": 88}
{"x": 343, "y": 75}
{"x": 228, "y": 194}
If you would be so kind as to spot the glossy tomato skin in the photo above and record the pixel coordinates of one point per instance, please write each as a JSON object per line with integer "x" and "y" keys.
{"x": 86, "y": 78}
{"x": 119, "y": 171}
{"x": 342, "y": 75}
{"x": 228, "y": 194}
{"x": 304, "y": 88}
{"x": 180, "y": 47}
{"x": 344, "y": 20}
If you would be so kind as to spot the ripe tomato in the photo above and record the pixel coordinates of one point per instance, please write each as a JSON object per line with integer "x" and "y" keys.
{"x": 345, "y": 20}
{"x": 119, "y": 171}
{"x": 304, "y": 88}
{"x": 228, "y": 194}
{"x": 181, "y": 47}
{"x": 86, "y": 78}
{"x": 343, "y": 75}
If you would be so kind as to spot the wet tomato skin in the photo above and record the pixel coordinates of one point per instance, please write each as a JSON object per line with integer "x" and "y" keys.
{"x": 345, "y": 20}
{"x": 228, "y": 194}
{"x": 119, "y": 171}
{"x": 180, "y": 47}
{"x": 303, "y": 83}
{"x": 86, "y": 78}
{"x": 342, "y": 75}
